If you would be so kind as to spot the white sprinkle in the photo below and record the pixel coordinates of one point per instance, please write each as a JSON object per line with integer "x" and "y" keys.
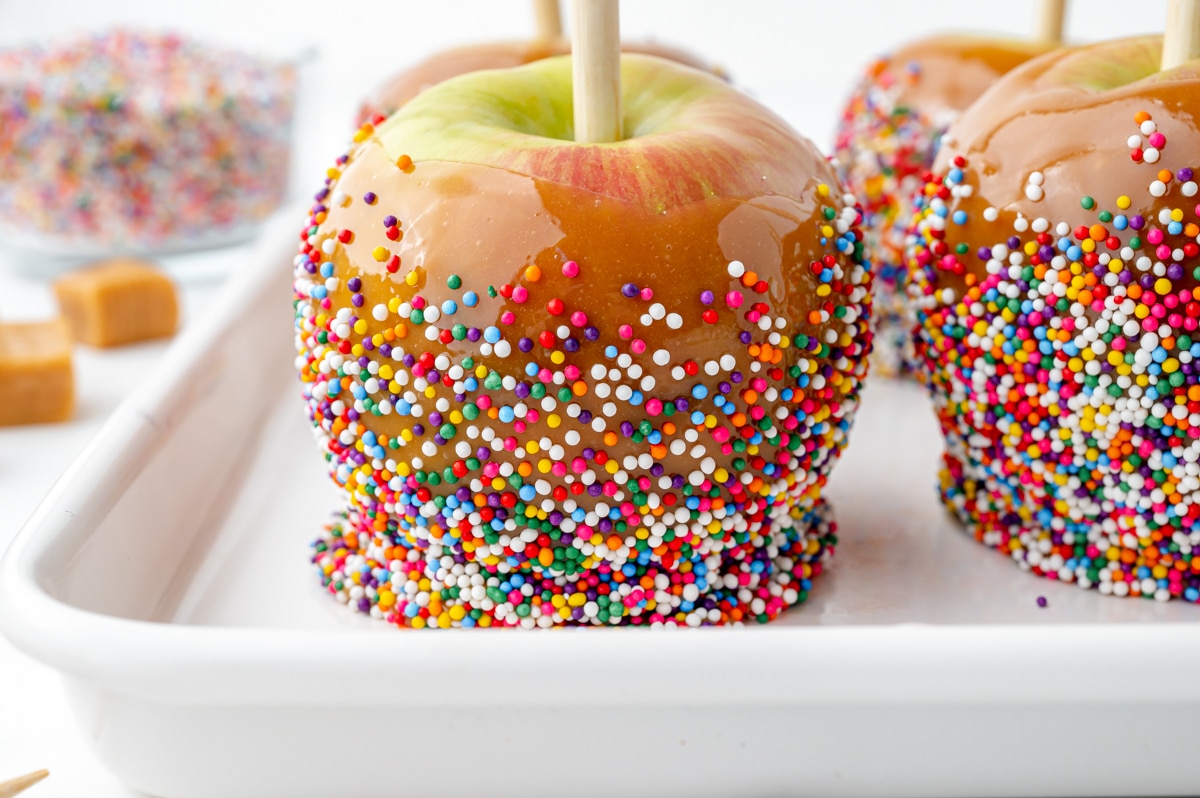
{"x": 379, "y": 313}
{"x": 661, "y": 357}
{"x": 1134, "y": 142}
{"x": 502, "y": 349}
{"x": 674, "y": 321}
{"x": 1148, "y": 127}
{"x": 1150, "y": 155}
{"x": 1036, "y": 178}
{"x": 1158, "y": 188}
{"x": 1188, "y": 189}
{"x": 1034, "y": 192}
{"x": 736, "y": 269}
{"x": 657, "y": 311}
{"x": 991, "y": 214}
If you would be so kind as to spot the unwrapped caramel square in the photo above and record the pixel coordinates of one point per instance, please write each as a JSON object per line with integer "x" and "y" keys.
{"x": 36, "y": 381}
{"x": 117, "y": 302}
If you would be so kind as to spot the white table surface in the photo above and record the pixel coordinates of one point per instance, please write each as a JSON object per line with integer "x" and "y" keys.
{"x": 770, "y": 46}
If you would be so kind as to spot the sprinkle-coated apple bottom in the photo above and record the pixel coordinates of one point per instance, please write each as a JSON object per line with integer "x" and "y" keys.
{"x": 544, "y": 441}
{"x": 1058, "y": 330}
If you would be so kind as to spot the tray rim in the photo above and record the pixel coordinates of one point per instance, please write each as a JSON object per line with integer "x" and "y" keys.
{"x": 907, "y": 663}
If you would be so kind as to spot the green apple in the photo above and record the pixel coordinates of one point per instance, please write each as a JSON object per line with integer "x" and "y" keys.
{"x": 398, "y": 90}
{"x": 618, "y": 374}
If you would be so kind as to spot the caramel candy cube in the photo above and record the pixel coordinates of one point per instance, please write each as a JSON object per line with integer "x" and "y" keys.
{"x": 36, "y": 381}
{"x": 117, "y": 302}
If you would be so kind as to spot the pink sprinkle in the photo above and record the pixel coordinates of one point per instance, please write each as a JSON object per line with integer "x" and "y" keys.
{"x": 625, "y": 331}
{"x": 518, "y": 426}
{"x": 570, "y": 269}
{"x": 1157, "y": 140}
{"x": 418, "y": 302}
{"x": 510, "y": 443}
{"x": 647, "y": 294}
{"x": 571, "y": 372}
{"x": 654, "y": 407}
{"x": 638, "y": 346}
{"x": 520, "y": 294}
{"x": 507, "y": 317}
{"x": 483, "y": 402}
{"x": 1155, "y": 236}
{"x": 579, "y": 318}
{"x": 531, "y": 416}
{"x": 734, "y": 299}
{"x": 1163, "y": 252}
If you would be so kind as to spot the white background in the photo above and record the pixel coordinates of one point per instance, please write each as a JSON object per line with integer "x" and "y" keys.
{"x": 799, "y": 58}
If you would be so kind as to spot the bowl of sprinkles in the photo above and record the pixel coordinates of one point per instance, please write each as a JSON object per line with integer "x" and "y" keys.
{"x": 1056, "y": 275}
{"x": 130, "y": 141}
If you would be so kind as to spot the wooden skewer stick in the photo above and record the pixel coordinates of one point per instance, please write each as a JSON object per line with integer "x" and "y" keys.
{"x": 548, "y": 19}
{"x": 596, "y": 71}
{"x": 1050, "y": 15}
{"x": 13, "y": 786}
{"x": 1181, "y": 40}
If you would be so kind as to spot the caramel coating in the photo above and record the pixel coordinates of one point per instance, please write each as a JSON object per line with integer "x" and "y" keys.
{"x": 946, "y": 73}
{"x": 403, "y": 86}
{"x": 624, "y": 360}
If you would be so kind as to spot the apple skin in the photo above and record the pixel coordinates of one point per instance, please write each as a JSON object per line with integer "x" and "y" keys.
{"x": 1056, "y": 307}
{"x": 397, "y": 91}
{"x": 885, "y": 143}
{"x": 571, "y": 313}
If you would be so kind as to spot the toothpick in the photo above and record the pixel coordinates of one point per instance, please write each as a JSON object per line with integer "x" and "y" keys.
{"x": 596, "y": 50}
{"x": 1050, "y": 15}
{"x": 13, "y": 786}
{"x": 1181, "y": 39}
{"x": 548, "y": 18}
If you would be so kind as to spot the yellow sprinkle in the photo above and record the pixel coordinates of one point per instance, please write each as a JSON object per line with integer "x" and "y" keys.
{"x": 1123, "y": 202}
{"x": 380, "y": 254}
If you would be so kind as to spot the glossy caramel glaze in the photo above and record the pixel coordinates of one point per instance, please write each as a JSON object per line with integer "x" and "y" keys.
{"x": 1054, "y": 268}
{"x": 648, "y": 389}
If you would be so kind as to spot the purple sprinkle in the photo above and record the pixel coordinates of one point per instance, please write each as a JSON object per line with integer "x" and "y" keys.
{"x": 369, "y": 198}
{"x": 706, "y": 297}
{"x": 389, "y": 221}
{"x": 1041, "y": 601}
{"x": 630, "y": 290}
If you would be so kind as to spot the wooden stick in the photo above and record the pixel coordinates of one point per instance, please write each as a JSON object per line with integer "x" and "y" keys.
{"x": 1050, "y": 15}
{"x": 596, "y": 72}
{"x": 1181, "y": 40}
{"x": 13, "y": 786}
{"x": 548, "y": 19}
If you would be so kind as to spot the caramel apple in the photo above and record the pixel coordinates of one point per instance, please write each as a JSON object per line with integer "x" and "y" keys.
{"x": 567, "y": 383}
{"x": 1056, "y": 276}
{"x": 886, "y": 140}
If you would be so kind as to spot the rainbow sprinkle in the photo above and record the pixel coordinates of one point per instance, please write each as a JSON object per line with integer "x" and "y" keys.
{"x": 526, "y": 486}
{"x": 883, "y": 149}
{"x": 1062, "y": 362}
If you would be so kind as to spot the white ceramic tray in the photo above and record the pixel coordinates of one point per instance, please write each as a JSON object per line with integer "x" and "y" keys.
{"x": 166, "y": 576}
